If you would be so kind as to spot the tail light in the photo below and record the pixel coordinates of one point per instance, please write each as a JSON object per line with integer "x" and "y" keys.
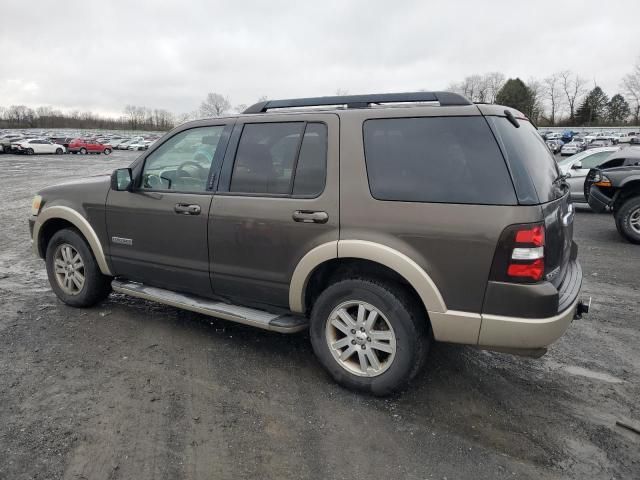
{"x": 519, "y": 255}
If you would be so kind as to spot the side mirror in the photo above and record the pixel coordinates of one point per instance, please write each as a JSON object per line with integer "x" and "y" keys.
{"x": 576, "y": 166}
{"x": 122, "y": 180}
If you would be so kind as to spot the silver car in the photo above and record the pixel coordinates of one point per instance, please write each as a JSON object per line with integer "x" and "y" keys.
{"x": 577, "y": 166}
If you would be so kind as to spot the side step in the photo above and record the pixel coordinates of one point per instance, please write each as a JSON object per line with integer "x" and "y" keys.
{"x": 248, "y": 316}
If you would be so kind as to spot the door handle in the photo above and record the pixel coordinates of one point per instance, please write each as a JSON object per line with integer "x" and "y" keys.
{"x": 310, "y": 216}
{"x": 187, "y": 209}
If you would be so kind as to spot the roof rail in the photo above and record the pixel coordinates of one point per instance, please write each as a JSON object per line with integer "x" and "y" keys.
{"x": 362, "y": 101}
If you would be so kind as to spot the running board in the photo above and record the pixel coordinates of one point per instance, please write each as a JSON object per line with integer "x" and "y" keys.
{"x": 248, "y": 316}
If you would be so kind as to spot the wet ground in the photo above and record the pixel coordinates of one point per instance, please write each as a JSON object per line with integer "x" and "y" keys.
{"x": 135, "y": 390}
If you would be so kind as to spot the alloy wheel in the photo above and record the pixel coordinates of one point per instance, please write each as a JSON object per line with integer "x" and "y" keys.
{"x": 360, "y": 338}
{"x": 69, "y": 269}
{"x": 634, "y": 220}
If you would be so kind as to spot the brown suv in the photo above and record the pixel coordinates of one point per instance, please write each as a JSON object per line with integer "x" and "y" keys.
{"x": 377, "y": 222}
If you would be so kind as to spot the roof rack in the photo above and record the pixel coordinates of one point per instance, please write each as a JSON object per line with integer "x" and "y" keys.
{"x": 362, "y": 101}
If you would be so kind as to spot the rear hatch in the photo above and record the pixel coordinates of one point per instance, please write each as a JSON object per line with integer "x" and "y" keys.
{"x": 538, "y": 181}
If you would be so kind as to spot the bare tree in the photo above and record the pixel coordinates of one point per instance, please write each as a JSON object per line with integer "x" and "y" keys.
{"x": 573, "y": 89}
{"x": 214, "y": 105}
{"x": 552, "y": 92}
{"x": 537, "y": 92}
{"x": 631, "y": 85}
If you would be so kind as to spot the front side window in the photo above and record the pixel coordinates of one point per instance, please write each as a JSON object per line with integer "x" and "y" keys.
{"x": 436, "y": 159}
{"x": 281, "y": 159}
{"x": 594, "y": 160}
{"x": 183, "y": 162}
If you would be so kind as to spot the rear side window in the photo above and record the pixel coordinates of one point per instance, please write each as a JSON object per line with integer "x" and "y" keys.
{"x": 532, "y": 165}
{"x": 436, "y": 159}
{"x": 281, "y": 158}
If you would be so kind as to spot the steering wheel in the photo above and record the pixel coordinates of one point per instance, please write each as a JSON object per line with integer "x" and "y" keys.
{"x": 181, "y": 172}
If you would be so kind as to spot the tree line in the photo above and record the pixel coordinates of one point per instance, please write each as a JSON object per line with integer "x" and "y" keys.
{"x": 561, "y": 99}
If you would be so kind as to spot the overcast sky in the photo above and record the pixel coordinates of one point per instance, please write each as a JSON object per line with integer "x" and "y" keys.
{"x": 99, "y": 56}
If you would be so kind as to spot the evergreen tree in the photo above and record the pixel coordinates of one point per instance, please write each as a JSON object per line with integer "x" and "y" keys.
{"x": 618, "y": 109}
{"x": 593, "y": 108}
{"x": 516, "y": 94}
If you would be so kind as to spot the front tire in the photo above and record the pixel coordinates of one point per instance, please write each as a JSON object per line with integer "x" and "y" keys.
{"x": 83, "y": 151}
{"x": 30, "y": 151}
{"x": 628, "y": 219}
{"x": 73, "y": 272}
{"x": 370, "y": 336}
{"x": 107, "y": 151}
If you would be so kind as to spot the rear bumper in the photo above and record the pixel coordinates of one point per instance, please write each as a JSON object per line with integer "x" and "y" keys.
{"x": 598, "y": 201}
{"x": 517, "y": 333}
{"x": 524, "y": 333}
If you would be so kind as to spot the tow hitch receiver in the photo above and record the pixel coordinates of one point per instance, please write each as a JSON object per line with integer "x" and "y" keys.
{"x": 582, "y": 308}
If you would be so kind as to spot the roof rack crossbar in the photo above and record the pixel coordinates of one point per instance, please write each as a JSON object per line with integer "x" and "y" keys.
{"x": 362, "y": 101}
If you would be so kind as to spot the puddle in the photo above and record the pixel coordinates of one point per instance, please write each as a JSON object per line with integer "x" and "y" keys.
{"x": 583, "y": 372}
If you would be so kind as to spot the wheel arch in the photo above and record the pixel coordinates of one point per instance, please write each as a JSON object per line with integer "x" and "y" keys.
{"x": 333, "y": 254}
{"x": 52, "y": 219}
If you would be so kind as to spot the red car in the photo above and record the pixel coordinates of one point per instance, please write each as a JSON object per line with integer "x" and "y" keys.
{"x": 85, "y": 145}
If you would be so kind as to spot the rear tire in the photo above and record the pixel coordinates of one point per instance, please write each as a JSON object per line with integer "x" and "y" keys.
{"x": 73, "y": 272}
{"x": 83, "y": 151}
{"x": 628, "y": 219}
{"x": 59, "y": 151}
{"x": 398, "y": 338}
{"x": 107, "y": 151}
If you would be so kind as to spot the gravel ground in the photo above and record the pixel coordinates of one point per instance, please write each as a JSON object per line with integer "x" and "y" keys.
{"x": 135, "y": 390}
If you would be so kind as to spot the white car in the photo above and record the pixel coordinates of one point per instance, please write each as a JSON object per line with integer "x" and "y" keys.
{"x": 571, "y": 148}
{"x": 38, "y": 145}
{"x": 577, "y": 166}
{"x": 139, "y": 145}
{"x": 626, "y": 137}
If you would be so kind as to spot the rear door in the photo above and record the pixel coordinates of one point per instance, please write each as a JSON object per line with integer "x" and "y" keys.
{"x": 277, "y": 200}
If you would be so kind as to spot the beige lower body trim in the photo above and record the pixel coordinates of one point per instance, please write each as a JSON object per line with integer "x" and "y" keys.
{"x": 455, "y": 327}
{"x": 80, "y": 223}
{"x": 298, "y": 286}
{"x": 512, "y": 332}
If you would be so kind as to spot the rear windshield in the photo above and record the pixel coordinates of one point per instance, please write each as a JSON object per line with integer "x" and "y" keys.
{"x": 436, "y": 159}
{"x": 532, "y": 165}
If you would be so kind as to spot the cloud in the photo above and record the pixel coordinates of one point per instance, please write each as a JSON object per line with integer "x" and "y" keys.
{"x": 101, "y": 56}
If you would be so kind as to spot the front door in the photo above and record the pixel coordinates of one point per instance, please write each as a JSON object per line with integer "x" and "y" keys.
{"x": 578, "y": 175}
{"x": 277, "y": 200}
{"x": 158, "y": 231}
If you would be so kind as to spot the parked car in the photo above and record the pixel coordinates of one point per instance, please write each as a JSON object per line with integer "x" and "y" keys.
{"x": 61, "y": 140}
{"x": 6, "y": 140}
{"x": 37, "y": 145}
{"x": 315, "y": 220}
{"x": 576, "y": 168}
{"x": 599, "y": 143}
{"x": 125, "y": 144}
{"x": 88, "y": 145}
{"x": 617, "y": 186}
{"x": 572, "y": 148}
{"x": 554, "y": 145}
{"x": 138, "y": 145}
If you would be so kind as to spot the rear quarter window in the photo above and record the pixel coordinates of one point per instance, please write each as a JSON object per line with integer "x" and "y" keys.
{"x": 532, "y": 165}
{"x": 436, "y": 160}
